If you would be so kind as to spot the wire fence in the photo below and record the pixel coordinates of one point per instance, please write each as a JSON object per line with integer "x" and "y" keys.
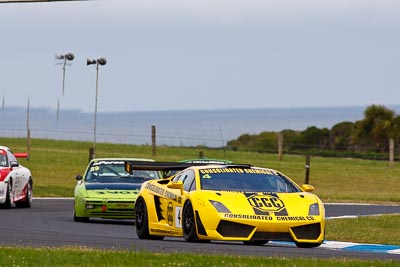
{"x": 113, "y": 136}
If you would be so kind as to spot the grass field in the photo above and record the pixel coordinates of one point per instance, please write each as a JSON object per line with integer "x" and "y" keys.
{"x": 54, "y": 165}
{"x": 55, "y": 257}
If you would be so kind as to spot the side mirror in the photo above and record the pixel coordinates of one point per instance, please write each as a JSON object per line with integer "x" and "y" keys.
{"x": 79, "y": 177}
{"x": 14, "y": 164}
{"x": 176, "y": 185}
{"x": 307, "y": 187}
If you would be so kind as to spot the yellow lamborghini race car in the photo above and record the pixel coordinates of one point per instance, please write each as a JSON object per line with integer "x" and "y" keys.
{"x": 231, "y": 203}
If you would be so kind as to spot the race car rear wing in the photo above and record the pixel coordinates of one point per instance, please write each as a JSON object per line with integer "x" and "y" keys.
{"x": 171, "y": 166}
{"x": 22, "y": 155}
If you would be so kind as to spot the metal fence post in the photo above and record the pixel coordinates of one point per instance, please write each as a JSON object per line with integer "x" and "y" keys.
{"x": 153, "y": 139}
{"x": 307, "y": 178}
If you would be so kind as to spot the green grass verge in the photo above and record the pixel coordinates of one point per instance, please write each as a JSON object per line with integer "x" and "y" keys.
{"x": 372, "y": 230}
{"x": 88, "y": 257}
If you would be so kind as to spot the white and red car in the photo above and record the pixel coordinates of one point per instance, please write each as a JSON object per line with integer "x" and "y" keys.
{"x": 15, "y": 180}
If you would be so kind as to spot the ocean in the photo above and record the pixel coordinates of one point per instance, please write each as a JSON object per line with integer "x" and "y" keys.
{"x": 212, "y": 128}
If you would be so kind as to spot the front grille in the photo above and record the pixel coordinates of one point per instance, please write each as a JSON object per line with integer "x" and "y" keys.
{"x": 310, "y": 231}
{"x": 272, "y": 236}
{"x": 232, "y": 229}
{"x": 111, "y": 208}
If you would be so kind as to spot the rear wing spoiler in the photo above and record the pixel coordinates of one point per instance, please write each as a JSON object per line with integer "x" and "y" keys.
{"x": 208, "y": 161}
{"x": 171, "y": 166}
{"x": 22, "y": 155}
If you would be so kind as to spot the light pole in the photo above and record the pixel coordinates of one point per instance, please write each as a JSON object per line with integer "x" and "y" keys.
{"x": 100, "y": 61}
{"x": 65, "y": 57}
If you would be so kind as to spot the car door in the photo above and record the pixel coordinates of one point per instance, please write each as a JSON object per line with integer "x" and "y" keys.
{"x": 188, "y": 179}
{"x": 18, "y": 176}
{"x": 175, "y": 198}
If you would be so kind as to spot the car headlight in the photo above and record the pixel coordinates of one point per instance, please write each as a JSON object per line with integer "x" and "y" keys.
{"x": 313, "y": 209}
{"x": 219, "y": 206}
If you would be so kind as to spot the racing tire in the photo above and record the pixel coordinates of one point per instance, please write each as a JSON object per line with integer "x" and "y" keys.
{"x": 80, "y": 219}
{"x": 255, "y": 242}
{"x": 307, "y": 245}
{"x": 7, "y": 203}
{"x": 189, "y": 223}
{"x": 27, "y": 202}
{"x": 142, "y": 221}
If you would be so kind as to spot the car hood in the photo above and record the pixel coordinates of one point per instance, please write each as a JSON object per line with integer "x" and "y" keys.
{"x": 280, "y": 204}
{"x": 115, "y": 190}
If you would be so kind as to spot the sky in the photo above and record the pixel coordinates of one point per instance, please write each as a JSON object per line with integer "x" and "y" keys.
{"x": 201, "y": 54}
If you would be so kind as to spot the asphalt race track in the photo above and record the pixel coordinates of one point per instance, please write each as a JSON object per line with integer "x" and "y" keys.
{"x": 49, "y": 223}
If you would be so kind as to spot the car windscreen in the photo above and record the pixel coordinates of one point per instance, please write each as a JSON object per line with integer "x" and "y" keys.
{"x": 114, "y": 172}
{"x": 247, "y": 180}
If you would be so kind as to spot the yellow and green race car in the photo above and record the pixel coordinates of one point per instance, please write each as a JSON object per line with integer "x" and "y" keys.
{"x": 232, "y": 202}
{"x": 106, "y": 190}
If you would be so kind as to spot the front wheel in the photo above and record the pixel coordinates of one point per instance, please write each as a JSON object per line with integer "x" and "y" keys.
{"x": 7, "y": 203}
{"x": 142, "y": 221}
{"x": 80, "y": 219}
{"x": 189, "y": 223}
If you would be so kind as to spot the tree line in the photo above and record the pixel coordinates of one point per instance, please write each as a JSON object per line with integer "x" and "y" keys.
{"x": 373, "y": 136}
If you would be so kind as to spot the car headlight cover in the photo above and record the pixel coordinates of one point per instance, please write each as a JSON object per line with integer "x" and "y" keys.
{"x": 219, "y": 206}
{"x": 313, "y": 209}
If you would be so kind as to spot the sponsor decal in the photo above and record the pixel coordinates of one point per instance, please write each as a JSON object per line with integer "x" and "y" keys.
{"x": 221, "y": 170}
{"x": 155, "y": 189}
{"x": 170, "y": 214}
{"x": 96, "y": 165}
{"x": 94, "y": 169}
{"x": 248, "y": 217}
{"x": 163, "y": 192}
{"x": 206, "y": 176}
{"x": 260, "y": 171}
{"x": 178, "y": 221}
{"x": 265, "y": 202}
{"x": 267, "y": 217}
{"x": 107, "y": 162}
{"x": 295, "y": 218}
{"x": 172, "y": 196}
{"x": 237, "y": 170}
